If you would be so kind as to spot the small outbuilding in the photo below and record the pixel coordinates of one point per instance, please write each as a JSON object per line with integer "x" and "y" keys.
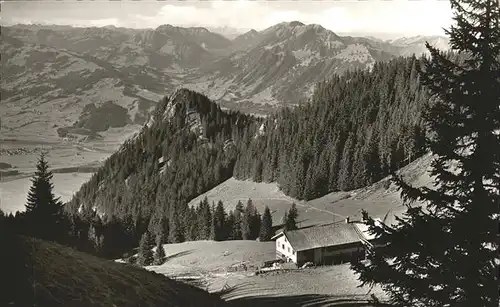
{"x": 334, "y": 243}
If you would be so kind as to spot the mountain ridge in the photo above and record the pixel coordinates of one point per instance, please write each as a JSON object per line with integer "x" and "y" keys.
{"x": 256, "y": 72}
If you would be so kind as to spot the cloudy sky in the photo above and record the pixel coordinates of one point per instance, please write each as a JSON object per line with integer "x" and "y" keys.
{"x": 372, "y": 17}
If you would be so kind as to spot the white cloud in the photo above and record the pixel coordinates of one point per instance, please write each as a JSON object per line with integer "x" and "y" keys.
{"x": 395, "y": 16}
{"x": 104, "y": 22}
{"x": 65, "y": 21}
{"x": 413, "y": 17}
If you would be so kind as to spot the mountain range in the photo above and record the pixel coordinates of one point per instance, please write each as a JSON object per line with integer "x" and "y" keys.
{"x": 64, "y": 82}
{"x": 357, "y": 129}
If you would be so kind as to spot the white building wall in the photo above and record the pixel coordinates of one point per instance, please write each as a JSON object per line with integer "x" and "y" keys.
{"x": 284, "y": 247}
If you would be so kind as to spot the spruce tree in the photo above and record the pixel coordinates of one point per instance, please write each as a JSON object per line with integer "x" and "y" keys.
{"x": 191, "y": 221}
{"x": 176, "y": 230}
{"x": 159, "y": 255}
{"x": 236, "y": 229}
{"x": 291, "y": 218}
{"x": 205, "y": 220}
{"x": 145, "y": 255}
{"x": 158, "y": 224}
{"x": 229, "y": 225}
{"x": 444, "y": 250}
{"x": 255, "y": 227}
{"x": 43, "y": 210}
{"x": 218, "y": 224}
{"x": 284, "y": 219}
{"x": 248, "y": 221}
{"x": 266, "y": 227}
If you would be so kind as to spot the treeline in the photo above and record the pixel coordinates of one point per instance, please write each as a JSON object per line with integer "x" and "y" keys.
{"x": 357, "y": 129}
{"x": 110, "y": 237}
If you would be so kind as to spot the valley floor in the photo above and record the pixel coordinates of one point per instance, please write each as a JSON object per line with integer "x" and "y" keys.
{"x": 13, "y": 193}
{"x": 72, "y": 164}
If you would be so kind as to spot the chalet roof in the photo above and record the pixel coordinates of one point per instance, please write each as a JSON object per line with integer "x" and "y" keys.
{"x": 327, "y": 235}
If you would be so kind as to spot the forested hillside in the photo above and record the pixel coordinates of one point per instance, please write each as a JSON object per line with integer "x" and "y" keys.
{"x": 186, "y": 148}
{"x": 357, "y": 129}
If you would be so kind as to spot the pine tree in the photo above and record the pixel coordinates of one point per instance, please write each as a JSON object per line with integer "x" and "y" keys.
{"x": 218, "y": 224}
{"x": 176, "y": 231}
{"x": 266, "y": 227}
{"x": 158, "y": 225}
{"x": 159, "y": 255}
{"x": 284, "y": 219}
{"x": 291, "y": 218}
{"x": 95, "y": 237}
{"x": 43, "y": 210}
{"x": 212, "y": 225}
{"x": 191, "y": 222}
{"x": 444, "y": 250}
{"x": 205, "y": 220}
{"x": 145, "y": 255}
{"x": 236, "y": 229}
{"x": 229, "y": 225}
{"x": 255, "y": 227}
{"x": 248, "y": 221}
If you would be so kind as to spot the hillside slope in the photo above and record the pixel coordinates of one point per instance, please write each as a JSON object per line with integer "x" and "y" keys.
{"x": 379, "y": 198}
{"x": 50, "y": 275}
{"x": 357, "y": 129}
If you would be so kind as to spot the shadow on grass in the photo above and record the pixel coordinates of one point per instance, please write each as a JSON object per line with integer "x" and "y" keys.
{"x": 305, "y": 300}
{"x": 177, "y": 255}
{"x": 244, "y": 296}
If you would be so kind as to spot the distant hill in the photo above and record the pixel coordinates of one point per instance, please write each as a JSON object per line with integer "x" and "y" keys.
{"x": 416, "y": 44}
{"x": 45, "y": 274}
{"x": 50, "y": 74}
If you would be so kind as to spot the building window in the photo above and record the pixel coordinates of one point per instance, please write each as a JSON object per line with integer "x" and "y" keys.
{"x": 293, "y": 252}
{"x": 288, "y": 249}
{"x": 283, "y": 246}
